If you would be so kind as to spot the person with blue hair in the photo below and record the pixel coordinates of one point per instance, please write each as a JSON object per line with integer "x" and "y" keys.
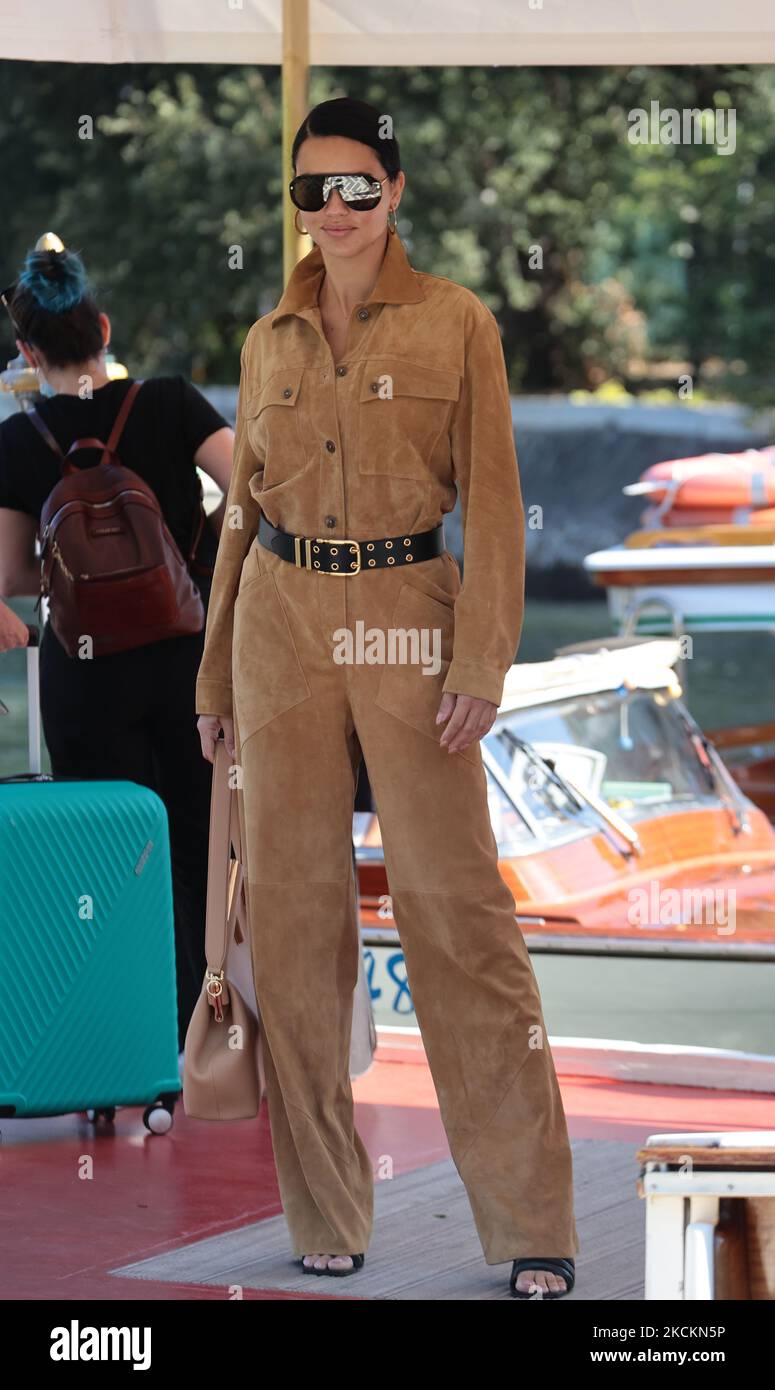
{"x": 126, "y": 714}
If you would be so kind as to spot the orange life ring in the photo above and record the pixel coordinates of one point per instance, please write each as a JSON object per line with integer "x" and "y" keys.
{"x": 718, "y": 516}
{"x": 711, "y": 481}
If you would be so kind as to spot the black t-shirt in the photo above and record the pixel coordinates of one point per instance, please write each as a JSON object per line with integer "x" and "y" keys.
{"x": 166, "y": 425}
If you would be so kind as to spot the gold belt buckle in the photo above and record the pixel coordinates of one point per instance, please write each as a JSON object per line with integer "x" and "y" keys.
{"x": 337, "y": 541}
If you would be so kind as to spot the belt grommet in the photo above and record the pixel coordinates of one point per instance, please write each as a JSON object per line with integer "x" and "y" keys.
{"x": 388, "y": 545}
{"x": 370, "y": 545}
{"x": 316, "y": 563}
{"x": 408, "y": 557}
{"x": 372, "y": 562}
{"x": 353, "y": 565}
{"x": 334, "y": 550}
{"x": 335, "y": 566}
{"x": 407, "y": 540}
{"x": 391, "y": 559}
{"x": 316, "y": 548}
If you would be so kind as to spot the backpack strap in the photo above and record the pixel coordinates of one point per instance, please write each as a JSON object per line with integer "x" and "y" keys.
{"x": 199, "y": 527}
{"x": 43, "y": 429}
{"x": 115, "y": 435}
{"x": 121, "y": 418}
{"x": 91, "y": 443}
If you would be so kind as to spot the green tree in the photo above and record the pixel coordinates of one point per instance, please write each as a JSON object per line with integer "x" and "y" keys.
{"x": 521, "y": 183}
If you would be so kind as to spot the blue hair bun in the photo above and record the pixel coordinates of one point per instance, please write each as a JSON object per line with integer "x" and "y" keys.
{"x": 56, "y": 279}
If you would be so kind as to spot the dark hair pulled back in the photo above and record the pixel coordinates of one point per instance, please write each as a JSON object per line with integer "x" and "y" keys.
{"x": 55, "y": 309}
{"x": 355, "y": 120}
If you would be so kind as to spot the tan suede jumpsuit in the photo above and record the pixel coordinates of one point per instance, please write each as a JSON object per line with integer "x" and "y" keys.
{"x": 378, "y": 445}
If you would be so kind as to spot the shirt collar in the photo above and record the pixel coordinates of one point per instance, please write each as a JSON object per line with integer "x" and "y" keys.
{"x": 396, "y": 282}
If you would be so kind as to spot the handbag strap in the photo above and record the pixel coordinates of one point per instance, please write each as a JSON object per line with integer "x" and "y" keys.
{"x": 224, "y": 882}
{"x": 238, "y": 886}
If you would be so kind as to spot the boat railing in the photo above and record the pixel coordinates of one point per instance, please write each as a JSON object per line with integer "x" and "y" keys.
{"x": 635, "y": 610}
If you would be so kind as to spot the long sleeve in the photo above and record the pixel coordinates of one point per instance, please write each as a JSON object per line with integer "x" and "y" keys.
{"x": 214, "y": 678}
{"x": 490, "y": 606}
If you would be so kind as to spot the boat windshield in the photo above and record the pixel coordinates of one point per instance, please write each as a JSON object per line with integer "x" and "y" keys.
{"x": 629, "y": 748}
{"x": 527, "y": 804}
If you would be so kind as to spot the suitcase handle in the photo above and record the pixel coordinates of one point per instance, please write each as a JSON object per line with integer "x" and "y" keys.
{"x": 33, "y": 699}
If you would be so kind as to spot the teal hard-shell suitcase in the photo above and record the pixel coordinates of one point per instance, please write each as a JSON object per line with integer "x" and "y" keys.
{"x": 88, "y": 1008}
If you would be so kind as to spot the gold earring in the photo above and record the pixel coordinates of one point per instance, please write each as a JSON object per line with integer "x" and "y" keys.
{"x": 391, "y": 225}
{"x": 301, "y": 230}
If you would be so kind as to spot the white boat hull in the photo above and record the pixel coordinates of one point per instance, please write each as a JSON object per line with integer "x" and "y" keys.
{"x": 707, "y": 588}
{"x": 706, "y": 608}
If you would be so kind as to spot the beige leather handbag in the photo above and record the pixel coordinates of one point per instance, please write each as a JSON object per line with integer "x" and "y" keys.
{"x": 223, "y": 1076}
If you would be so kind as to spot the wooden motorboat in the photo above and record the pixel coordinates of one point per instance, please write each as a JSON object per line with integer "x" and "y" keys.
{"x": 710, "y": 578}
{"x": 693, "y": 579}
{"x": 643, "y": 876}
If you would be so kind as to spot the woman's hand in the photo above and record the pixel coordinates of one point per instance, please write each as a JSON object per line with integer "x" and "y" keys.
{"x": 209, "y": 726}
{"x": 471, "y": 718}
{"x": 13, "y": 632}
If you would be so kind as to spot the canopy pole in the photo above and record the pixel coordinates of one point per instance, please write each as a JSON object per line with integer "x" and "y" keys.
{"x": 295, "y": 102}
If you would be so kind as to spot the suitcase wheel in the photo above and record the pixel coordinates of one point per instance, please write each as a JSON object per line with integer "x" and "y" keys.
{"x": 158, "y": 1118}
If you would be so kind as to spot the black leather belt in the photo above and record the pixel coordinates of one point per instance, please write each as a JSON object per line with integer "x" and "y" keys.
{"x": 340, "y": 555}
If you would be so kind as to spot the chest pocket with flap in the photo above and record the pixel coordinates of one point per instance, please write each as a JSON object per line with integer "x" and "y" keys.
{"x": 404, "y": 408}
{"x": 273, "y": 415}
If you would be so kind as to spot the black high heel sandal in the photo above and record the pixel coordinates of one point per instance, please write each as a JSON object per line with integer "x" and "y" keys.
{"x": 358, "y": 1262}
{"x": 564, "y": 1269}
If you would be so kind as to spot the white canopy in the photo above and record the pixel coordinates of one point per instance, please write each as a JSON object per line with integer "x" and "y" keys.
{"x": 363, "y": 33}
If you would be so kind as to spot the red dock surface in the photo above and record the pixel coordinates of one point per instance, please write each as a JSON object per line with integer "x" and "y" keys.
{"x": 78, "y": 1201}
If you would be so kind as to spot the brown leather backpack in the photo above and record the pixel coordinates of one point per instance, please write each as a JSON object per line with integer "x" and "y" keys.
{"x": 109, "y": 564}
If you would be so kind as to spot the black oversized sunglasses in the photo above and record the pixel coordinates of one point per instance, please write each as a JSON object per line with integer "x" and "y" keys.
{"x": 311, "y": 192}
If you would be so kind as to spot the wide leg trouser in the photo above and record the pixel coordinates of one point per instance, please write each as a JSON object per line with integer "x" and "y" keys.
{"x": 302, "y": 720}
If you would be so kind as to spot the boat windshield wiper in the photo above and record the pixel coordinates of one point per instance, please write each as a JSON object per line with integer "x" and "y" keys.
{"x": 585, "y": 800}
{"x": 718, "y": 775}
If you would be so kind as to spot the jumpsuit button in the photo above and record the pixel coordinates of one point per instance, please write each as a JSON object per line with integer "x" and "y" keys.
{"x": 341, "y": 371}
{"x": 363, "y": 314}
{"x": 330, "y": 521}
{"x": 288, "y": 391}
{"x": 330, "y": 445}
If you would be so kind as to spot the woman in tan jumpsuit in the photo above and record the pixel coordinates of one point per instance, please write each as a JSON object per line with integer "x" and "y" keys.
{"x": 368, "y": 399}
